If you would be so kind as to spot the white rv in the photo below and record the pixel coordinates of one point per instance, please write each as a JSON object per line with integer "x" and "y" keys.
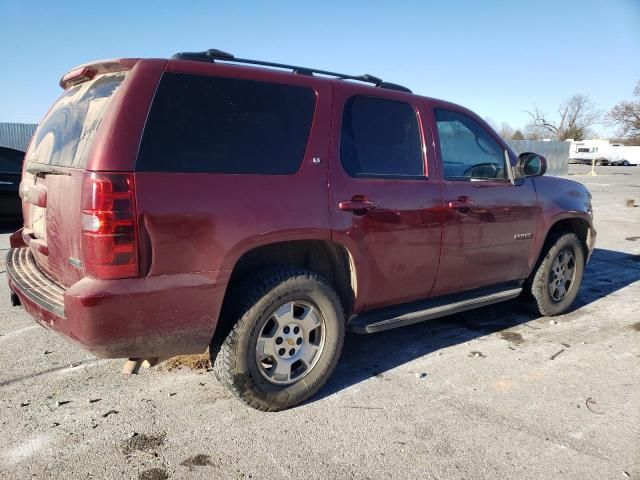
{"x": 603, "y": 152}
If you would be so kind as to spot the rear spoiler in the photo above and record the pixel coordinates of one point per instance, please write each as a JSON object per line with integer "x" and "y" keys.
{"x": 87, "y": 71}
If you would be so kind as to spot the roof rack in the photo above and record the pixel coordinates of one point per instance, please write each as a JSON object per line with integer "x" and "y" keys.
{"x": 213, "y": 54}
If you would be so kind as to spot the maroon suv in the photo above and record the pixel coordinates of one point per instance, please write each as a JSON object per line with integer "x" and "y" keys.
{"x": 207, "y": 201}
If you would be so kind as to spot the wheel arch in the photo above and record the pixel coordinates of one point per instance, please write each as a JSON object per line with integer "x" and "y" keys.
{"x": 578, "y": 225}
{"x": 325, "y": 257}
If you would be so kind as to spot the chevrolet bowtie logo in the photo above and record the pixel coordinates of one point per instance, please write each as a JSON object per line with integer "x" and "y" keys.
{"x": 290, "y": 342}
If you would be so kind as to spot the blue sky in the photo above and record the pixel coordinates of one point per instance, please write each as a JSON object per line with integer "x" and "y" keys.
{"x": 498, "y": 58}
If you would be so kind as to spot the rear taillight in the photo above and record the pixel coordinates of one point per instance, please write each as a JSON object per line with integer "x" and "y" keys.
{"x": 109, "y": 236}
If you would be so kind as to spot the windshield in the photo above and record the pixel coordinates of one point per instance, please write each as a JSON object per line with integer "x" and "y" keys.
{"x": 65, "y": 135}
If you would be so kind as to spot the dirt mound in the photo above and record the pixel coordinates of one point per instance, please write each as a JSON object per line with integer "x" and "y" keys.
{"x": 194, "y": 362}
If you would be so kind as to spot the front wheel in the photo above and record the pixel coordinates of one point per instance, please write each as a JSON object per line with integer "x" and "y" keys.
{"x": 557, "y": 279}
{"x": 625, "y": 163}
{"x": 285, "y": 342}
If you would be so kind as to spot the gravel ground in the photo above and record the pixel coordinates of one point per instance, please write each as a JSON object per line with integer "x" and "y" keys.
{"x": 493, "y": 393}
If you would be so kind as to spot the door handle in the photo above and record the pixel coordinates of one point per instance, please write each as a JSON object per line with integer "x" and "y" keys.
{"x": 358, "y": 205}
{"x": 462, "y": 204}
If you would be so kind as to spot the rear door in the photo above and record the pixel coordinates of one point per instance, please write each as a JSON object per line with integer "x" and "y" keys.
{"x": 384, "y": 206}
{"x": 52, "y": 181}
{"x": 489, "y": 223}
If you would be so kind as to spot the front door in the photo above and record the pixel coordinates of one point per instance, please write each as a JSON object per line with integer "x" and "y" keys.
{"x": 489, "y": 223}
{"x": 384, "y": 207}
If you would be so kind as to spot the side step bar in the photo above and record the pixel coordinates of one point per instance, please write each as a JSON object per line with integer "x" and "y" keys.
{"x": 414, "y": 312}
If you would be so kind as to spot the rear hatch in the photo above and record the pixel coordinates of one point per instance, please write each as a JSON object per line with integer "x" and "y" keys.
{"x": 54, "y": 174}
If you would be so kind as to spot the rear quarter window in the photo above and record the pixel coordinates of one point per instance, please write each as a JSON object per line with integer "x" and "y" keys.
{"x": 202, "y": 124}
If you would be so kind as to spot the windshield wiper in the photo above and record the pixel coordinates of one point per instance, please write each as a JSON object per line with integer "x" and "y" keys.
{"x": 42, "y": 170}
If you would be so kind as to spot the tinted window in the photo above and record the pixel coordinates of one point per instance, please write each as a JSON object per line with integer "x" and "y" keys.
{"x": 226, "y": 125}
{"x": 467, "y": 149}
{"x": 11, "y": 160}
{"x": 65, "y": 135}
{"x": 380, "y": 138}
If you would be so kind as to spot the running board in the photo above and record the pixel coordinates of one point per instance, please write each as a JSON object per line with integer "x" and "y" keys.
{"x": 414, "y": 312}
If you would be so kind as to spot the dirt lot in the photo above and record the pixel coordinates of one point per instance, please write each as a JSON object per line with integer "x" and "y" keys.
{"x": 493, "y": 393}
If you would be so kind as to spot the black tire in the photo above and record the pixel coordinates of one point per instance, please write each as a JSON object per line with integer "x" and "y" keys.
{"x": 234, "y": 354}
{"x": 539, "y": 286}
{"x": 625, "y": 163}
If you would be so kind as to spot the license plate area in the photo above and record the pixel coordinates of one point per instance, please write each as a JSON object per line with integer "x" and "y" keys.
{"x": 37, "y": 218}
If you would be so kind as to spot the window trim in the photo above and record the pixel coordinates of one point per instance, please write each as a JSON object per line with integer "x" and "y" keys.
{"x": 383, "y": 176}
{"x": 491, "y": 135}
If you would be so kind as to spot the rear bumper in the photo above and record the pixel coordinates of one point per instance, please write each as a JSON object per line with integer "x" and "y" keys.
{"x": 157, "y": 316}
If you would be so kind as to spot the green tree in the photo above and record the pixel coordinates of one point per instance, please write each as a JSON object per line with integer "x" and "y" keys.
{"x": 517, "y": 135}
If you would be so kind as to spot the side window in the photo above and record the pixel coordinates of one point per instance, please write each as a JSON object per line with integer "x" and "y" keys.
{"x": 468, "y": 151}
{"x": 380, "y": 138}
{"x": 202, "y": 124}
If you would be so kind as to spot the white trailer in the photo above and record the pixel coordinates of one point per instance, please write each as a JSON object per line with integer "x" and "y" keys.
{"x": 603, "y": 153}
{"x": 622, "y": 155}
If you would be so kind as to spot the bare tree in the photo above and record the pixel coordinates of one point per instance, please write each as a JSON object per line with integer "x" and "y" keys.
{"x": 504, "y": 129}
{"x": 626, "y": 116}
{"x": 535, "y": 132}
{"x": 575, "y": 117}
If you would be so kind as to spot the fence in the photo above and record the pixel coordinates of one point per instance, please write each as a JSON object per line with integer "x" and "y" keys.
{"x": 556, "y": 153}
{"x": 16, "y": 135}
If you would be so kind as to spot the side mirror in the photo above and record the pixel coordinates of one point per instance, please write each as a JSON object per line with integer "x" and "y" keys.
{"x": 531, "y": 165}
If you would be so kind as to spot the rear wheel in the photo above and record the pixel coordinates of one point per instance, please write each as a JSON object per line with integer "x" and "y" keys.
{"x": 557, "y": 279}
{"x": 285, "y": 342}
{"x": 625, "y": 163}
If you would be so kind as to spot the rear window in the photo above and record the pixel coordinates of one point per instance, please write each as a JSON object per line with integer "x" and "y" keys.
{"x": 205, "y": 124}
{"x": 65, "y": 135}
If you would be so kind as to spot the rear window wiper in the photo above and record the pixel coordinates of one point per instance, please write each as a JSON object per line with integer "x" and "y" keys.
{"x": 42, "y": 170}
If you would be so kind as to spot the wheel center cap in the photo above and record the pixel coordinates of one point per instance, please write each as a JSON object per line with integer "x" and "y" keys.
{"x": 290, "y": 342}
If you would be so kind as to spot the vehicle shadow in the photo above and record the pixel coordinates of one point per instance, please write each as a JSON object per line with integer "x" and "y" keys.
{"x": 366, "y": 356}
{"x": 607, "y": 272}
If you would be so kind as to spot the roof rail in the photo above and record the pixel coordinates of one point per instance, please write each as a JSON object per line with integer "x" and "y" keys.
{"x": 213, "y": 54}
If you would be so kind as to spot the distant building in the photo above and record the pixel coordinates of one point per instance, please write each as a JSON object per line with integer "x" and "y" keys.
{"x": 16, "y": 135}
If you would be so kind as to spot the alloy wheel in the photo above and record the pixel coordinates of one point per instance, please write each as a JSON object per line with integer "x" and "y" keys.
{"x": 562, "y": 275}
{"x": 290, "y": 342}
